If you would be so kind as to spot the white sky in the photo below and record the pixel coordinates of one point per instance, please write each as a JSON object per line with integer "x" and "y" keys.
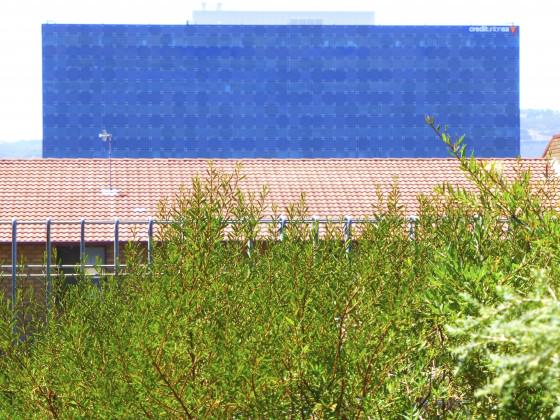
{"x": 20, "y": 38}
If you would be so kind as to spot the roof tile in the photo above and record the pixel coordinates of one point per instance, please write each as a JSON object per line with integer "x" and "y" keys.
{"x": 70, "y": 189}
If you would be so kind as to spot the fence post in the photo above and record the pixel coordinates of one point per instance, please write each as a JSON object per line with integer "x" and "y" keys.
{"x": 82, "y": 244}
{"x": 250, "y": 247}
{"x": 116, "y": 247}
{"x": 348, "y": 233}
{"x": 412, "y": 227}
{"x": 315, "y": 230}
{"x": 49, "y": 252}
{"x": 282, "y": 227}
{"x": 150, "y": 238}
{"x": 14, "y": 262}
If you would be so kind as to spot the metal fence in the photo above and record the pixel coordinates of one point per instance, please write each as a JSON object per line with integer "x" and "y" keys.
{"x": 48, "y": 267}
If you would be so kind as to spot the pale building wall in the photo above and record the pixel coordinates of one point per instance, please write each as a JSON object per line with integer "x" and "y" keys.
{"x": 228, "y": 17}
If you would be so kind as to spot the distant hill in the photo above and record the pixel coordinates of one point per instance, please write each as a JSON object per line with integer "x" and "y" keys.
{"x": 21, "y": 149}
{"x": 537, "y": 128}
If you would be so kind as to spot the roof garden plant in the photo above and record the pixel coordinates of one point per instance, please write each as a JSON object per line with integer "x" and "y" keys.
{"x": 459, "y": 320}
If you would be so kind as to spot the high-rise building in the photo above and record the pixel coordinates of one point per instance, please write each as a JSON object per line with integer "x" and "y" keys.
{"x": 278, "y": 90}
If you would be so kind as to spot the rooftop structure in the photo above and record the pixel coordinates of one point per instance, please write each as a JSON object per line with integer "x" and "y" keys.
{"x": 229, "y": 17}
{"x": 552, "y": 150}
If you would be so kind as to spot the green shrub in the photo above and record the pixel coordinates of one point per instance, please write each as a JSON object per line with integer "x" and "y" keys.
{"x": 216, "y": 327}
{"x": 514, "y": 348}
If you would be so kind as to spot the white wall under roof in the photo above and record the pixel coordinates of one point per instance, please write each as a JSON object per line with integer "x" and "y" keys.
{"x": 219, "y": 17}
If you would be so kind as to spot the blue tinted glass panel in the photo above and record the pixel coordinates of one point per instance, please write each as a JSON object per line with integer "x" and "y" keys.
{"x": 278, "y": 91}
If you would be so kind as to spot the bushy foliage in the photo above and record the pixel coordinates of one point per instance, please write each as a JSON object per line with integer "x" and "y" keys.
{"x": 516, "y": 343}
{"x": 231, "y": 321}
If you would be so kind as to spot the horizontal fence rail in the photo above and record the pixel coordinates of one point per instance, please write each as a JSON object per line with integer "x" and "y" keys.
{"x": 49, "y": 267}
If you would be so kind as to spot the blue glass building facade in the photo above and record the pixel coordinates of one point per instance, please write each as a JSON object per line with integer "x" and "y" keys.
{"x": 235, "y": 91}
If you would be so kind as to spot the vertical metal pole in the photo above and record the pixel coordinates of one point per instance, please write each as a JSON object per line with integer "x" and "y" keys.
{"x": 282, "y": 227}
{"x": 348, "y": 233}
{"x": 412, "y": 227}
{"x": 116, "y": 247}
{"x": 14, "y": 262}
{"x": 250, "y": 245}
{"x": 82, "y": 244}
{"x": 105, "y": 136}
{"x": 315, "y": 230}
{"x": 49, "y": 252}
{"x": 150, "y": 239}
{"x": 110, "y": 164}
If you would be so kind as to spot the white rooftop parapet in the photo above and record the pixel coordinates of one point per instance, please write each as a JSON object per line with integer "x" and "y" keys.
{"x": 230, "y": 17}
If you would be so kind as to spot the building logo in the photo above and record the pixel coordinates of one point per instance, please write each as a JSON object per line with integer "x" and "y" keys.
{"x": 512, "y": 29}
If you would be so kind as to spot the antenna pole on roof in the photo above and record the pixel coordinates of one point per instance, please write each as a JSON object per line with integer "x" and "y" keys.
{"x": 108, "y": 137}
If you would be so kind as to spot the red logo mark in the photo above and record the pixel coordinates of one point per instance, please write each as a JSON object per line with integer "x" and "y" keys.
{"x": 513, "y": 29}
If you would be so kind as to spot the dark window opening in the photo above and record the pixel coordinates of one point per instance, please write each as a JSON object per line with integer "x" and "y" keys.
{"x": 68, "y": 258}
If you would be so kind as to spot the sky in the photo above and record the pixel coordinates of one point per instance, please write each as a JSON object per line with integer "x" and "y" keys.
{"x": 20, "y": 38}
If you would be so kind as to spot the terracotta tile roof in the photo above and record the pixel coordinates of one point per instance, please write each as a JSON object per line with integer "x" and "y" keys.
{"x": 70, "y": 189}
{"x": 553, "y": 148}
